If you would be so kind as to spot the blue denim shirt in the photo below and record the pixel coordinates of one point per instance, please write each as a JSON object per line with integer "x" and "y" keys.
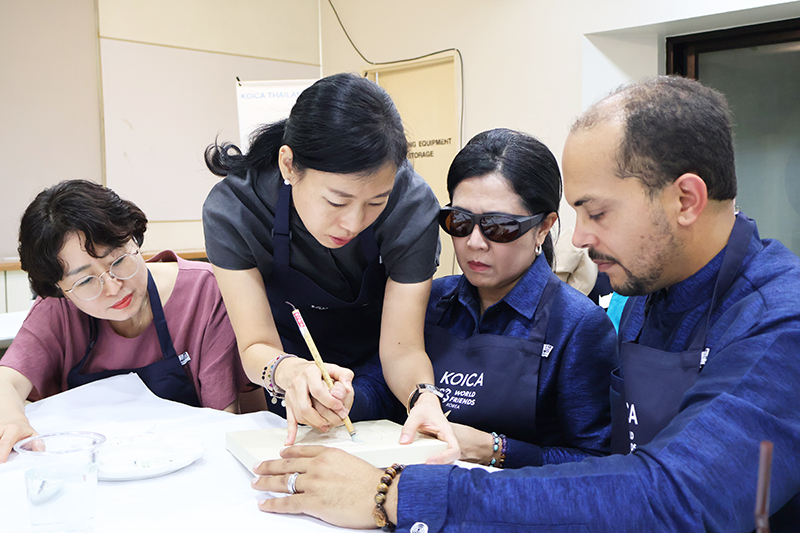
{"x": 698, "y": 474}
{"x": 572, "y": 403}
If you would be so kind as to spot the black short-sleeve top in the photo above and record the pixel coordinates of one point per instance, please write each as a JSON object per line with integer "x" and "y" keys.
{"x": 239, "y": 214}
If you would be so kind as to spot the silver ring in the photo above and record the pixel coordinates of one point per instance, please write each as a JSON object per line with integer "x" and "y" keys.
{"x": 290, "y": 483}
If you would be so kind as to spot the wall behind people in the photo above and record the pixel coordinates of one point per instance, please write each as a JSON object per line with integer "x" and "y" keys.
{"x": 129, "y": 94}
{"x": 49, "y": 103}
{"x": 531, "y": 66}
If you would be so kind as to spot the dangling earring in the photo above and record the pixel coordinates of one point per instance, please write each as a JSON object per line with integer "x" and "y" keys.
{"x": 538, "y": 249}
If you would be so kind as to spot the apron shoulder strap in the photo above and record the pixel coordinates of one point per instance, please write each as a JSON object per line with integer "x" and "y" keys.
{"x": 281, "y": 231}
{"x": 164, "y": 339}
{"x": 443, "y": 304}
{"x": 541, "y": 317}
{"x": 738, "y": 243}
{"x": 369, "y": 245}
{"x": 94, "y": 326}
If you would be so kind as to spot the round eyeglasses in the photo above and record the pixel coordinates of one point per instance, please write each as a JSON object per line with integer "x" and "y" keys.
{"x": 496, "y": 227}
{"x": 124, "y": 267}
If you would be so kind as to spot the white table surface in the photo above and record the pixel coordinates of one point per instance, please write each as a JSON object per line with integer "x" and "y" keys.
{"x": 212, "y": 494}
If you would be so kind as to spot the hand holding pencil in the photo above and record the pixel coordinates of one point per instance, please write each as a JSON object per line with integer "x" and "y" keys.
{"x": 312, "y": 347}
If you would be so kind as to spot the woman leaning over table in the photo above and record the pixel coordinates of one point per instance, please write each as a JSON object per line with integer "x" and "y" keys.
{"x": 524, "y": 359}
{"x": 521, "y": 360}
{"x": 532, "y": 356}
{"x": 103, "y": 311}
{"x": 325, "y": 213}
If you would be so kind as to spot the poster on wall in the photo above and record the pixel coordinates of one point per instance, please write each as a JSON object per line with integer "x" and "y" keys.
{"x": 262, "y": 102}
{"x": 426, "y": 95}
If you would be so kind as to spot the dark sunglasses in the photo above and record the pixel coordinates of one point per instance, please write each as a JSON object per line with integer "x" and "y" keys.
{"x": 497, "y": 227}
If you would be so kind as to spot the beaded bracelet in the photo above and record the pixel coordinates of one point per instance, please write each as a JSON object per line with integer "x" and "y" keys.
{"x": 503, "y": 451}
{"x": 379, "y": 513}
{"x": 499, "y": 442}
{"x": 268, "y": 379}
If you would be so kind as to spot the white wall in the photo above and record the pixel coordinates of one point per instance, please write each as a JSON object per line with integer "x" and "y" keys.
{"x": 169, "y": 72}
{"x": 49, "y": 103}
{"x": 61, "y": 63}
{"x": 129, "y": 93}
{"x": 266, "y": 29}
{"x": 531, "y": 65}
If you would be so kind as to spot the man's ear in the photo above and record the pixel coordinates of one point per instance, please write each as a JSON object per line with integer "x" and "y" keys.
{"x": 691, "y": 192}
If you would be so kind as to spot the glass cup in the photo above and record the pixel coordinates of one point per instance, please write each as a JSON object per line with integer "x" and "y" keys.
{"x": 62, "y": 480}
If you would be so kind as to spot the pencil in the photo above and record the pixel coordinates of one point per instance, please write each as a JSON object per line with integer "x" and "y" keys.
{"x": 298, "y": 318}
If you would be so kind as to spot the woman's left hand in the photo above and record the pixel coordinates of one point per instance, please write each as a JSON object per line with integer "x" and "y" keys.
{"x": 427, "y": 417}
{"x": 476, "y": 445}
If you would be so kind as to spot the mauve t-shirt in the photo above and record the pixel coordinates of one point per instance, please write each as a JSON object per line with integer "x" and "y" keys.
{"x": 55, "y": 334}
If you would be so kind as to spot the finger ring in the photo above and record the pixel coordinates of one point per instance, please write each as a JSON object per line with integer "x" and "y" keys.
{"x": 290, "y": 483}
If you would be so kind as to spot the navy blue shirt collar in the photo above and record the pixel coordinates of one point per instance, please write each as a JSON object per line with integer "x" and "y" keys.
{"x": 523, "y": 298}
{"x": 694, "y": 290}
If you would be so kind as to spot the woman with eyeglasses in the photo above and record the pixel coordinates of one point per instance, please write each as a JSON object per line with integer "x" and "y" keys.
{"x": 522, "y": 359}
{"x": 102, "y": 311}
{"x": 325, "y": 213}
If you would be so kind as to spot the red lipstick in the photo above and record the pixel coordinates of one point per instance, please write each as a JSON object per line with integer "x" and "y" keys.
{"x": 122, "y": 304}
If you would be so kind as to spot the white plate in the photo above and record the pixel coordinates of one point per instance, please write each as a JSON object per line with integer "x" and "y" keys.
{"x": 145, "y": 456}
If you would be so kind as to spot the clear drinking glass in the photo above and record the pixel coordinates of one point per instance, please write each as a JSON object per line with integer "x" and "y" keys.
{"x": 62, "y": 480}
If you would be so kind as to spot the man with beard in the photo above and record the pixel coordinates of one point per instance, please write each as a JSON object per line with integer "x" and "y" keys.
{"x": 708, "y": 349}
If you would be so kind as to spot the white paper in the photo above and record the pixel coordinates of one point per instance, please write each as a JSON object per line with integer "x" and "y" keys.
{"x": 264, "y": 102}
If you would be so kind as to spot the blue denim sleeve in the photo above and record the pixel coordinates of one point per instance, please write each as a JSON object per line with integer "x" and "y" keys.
{"x": 573, "y": 411}
{"x": 423, "y": 496}
{"x": 373, "y": 399}
{"x": 698, "y": 474}
{"x": 521, "y": 453}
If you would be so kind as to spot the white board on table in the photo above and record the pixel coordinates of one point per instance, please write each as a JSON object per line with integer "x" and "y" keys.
{"x": 380, "y": 446}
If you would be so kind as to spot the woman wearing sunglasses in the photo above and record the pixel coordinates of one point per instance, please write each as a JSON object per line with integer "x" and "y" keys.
{"x": 521, "y": 359}
{"x": 325, "y": 214}
{"x": 102, "y": 311}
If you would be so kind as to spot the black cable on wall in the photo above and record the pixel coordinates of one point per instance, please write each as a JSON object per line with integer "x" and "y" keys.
{"x": 456, "y": 50}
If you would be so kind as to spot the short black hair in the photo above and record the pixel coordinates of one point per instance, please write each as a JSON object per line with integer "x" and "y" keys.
{"x": 73, "y": 206}
{"x": 672, "y": 125}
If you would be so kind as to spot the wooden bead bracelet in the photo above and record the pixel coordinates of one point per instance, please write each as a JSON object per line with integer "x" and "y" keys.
{"x": 379, "y": 513}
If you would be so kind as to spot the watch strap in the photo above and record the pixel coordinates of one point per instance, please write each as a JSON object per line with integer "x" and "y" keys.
{"x": 419, "y": 389}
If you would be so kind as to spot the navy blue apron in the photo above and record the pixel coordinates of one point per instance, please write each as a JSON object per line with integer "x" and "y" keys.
{"x": 648, "y": 396}
{"x": 475, "y": 373}
{"x": 166, "y": 378}
{"x": 346, "y": 333}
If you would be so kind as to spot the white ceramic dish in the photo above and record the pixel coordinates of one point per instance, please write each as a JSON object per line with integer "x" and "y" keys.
{"x": 145, "y": 456}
